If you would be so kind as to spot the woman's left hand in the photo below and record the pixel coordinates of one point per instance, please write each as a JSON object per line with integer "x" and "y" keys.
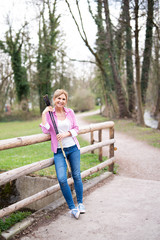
{"x": 60, "y": 136}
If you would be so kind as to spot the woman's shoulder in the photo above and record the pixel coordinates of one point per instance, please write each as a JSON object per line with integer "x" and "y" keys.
{"x": 69, "y": 110}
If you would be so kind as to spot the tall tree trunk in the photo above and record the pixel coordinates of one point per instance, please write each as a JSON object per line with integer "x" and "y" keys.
{"x": 46, "y": 51}
{"x": 147, "y": 51}
{"x": 157, "y": 109}
{"x": 14, "y": 49}
{"x": 129, "y": 61}
{"x": 107, "y": 84}
{"x": 158, "y": 124}
{"x": 140, "y": 118}
{"x": 156, "y": 69}
{"x": 123, "y": 111}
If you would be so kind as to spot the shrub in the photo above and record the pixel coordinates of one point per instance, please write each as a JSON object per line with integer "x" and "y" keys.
{"x": 82, "y": 101}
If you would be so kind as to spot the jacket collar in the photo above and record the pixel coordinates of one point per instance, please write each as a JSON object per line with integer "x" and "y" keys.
{"x": 65, "y": 109}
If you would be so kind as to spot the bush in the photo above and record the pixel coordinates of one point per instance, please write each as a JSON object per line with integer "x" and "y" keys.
{"x": 82, "y": 101}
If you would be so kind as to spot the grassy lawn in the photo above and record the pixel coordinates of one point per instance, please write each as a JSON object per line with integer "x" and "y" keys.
{"x": 149, "y": 135}
{"x": 19, "y": 128}
{"x": 17, "y": 157}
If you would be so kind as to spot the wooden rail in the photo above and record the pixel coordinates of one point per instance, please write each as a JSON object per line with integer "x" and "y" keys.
{"x": 33, "y": 139}
{"x": 38, "y": 138}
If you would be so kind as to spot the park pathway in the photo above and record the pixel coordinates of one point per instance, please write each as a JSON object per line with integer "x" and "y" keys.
{"x": 126, "y": 206}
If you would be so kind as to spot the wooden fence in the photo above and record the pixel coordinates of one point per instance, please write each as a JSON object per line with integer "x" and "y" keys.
{"x": 38, "y": 138}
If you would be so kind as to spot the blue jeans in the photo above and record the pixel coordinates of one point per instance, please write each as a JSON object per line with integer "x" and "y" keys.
{"x": 73, "y": 156}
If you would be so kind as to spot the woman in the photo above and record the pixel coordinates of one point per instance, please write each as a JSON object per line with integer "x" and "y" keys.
{"x": 68, "y": 130}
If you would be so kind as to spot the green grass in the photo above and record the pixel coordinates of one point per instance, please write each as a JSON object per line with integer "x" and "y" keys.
{"x": 19, "y": 128}
{"x": 9, "y": 221}
{"x": 127, "y": 126}
{"x": 96, "y": 118}
{"x": 148, "y": 135}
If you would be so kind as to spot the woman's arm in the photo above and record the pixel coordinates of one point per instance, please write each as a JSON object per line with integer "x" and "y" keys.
{"x": 75, "y": 128}
{"x": 45, "y": 125}
{"x": 47, "y": 109}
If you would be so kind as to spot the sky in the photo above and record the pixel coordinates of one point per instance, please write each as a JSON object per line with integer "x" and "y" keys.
{"x": 21, "y": 10}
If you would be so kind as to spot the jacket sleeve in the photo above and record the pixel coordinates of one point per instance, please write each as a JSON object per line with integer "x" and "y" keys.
{"x": 45, "y": 128}
{"x": 75, "y": 128}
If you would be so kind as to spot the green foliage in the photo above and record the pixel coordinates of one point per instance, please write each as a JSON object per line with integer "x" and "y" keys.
{"x": 9, "y": 221}
{"x": 147, "y": 50}
{"x": 46, "y": 58}
{"x": 13, "y": 47}
{"x": 104, "y": 77}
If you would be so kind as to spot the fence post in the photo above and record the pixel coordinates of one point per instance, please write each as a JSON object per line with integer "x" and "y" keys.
{"x": 92, "y": 140}
{"x": 111, "y": 147}
{"x": 100, "y": 140}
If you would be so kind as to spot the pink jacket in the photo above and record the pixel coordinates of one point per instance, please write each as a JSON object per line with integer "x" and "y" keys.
{"x": 74, "y": 128}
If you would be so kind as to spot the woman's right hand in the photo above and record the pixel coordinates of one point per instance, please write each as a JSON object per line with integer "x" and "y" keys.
{"x": 47, "y": 109}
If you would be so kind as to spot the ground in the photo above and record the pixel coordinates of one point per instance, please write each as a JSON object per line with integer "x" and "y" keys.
{"x": 122, "y": 207}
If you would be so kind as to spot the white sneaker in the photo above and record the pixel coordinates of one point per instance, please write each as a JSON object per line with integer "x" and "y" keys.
{"x": 81, "y": 208}
{"x": 75, "y": 213}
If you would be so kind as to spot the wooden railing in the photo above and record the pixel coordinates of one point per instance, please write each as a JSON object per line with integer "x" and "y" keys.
{"x": 38, "y": 138}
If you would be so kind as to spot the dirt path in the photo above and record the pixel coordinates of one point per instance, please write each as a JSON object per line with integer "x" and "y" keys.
{"x": 124, "y": 207}
{"x": 135, "y": 158}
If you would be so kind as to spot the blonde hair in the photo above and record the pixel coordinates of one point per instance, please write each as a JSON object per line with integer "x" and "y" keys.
{"x": 59, "y": 92}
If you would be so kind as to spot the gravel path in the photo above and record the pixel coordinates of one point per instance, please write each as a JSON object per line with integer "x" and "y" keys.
{"x": 135, "y": 158}
{"x": 124, "y": 207}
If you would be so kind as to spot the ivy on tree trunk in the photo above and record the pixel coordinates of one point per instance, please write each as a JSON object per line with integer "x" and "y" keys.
{"x": 123, "y": 110}
{"x": 147, "y": 51}
{"x": 46, "y": 51}
{"x": 129, "y": 61}
{"x": 13, "y": 46}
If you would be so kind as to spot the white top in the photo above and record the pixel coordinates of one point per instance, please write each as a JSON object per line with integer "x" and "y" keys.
{"x": 64, "y": 126}
{"x": 72, "y": 131}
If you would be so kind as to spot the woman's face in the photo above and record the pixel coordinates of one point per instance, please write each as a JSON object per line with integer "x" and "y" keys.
{"x": 60, "y": 101}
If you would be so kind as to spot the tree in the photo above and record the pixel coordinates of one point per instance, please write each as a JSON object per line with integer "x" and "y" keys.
{"x": 129, "y": 61}
{"x": 140, "y": 118}
{"x": 13, "y": 47}
{"x": 105, "y": 77}
{"x": 156, "y": 69}
{"x": 46, "y": 58}
{"x": 6, "y": 81}
{"x": 123, "y": 111}
{"x": 62, "y": 74}
{"x": 147, "y": 50}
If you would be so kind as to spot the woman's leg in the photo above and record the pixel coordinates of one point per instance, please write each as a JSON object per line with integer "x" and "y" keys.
{"x": 73, "y": 156}
{"x": 61, "y": 169}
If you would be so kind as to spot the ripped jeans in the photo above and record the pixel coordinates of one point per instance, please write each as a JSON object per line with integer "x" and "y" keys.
{"x": 73, "y": 156}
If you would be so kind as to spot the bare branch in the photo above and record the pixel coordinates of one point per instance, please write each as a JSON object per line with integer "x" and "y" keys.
{"x": 81, "y": 20}
{"x": 83, "y": 61}
{"x": 74, "y": 20}
{"x": 90, "y": 10}
{"x": 157, "y": 29}
{"x": 98, "y": 61}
